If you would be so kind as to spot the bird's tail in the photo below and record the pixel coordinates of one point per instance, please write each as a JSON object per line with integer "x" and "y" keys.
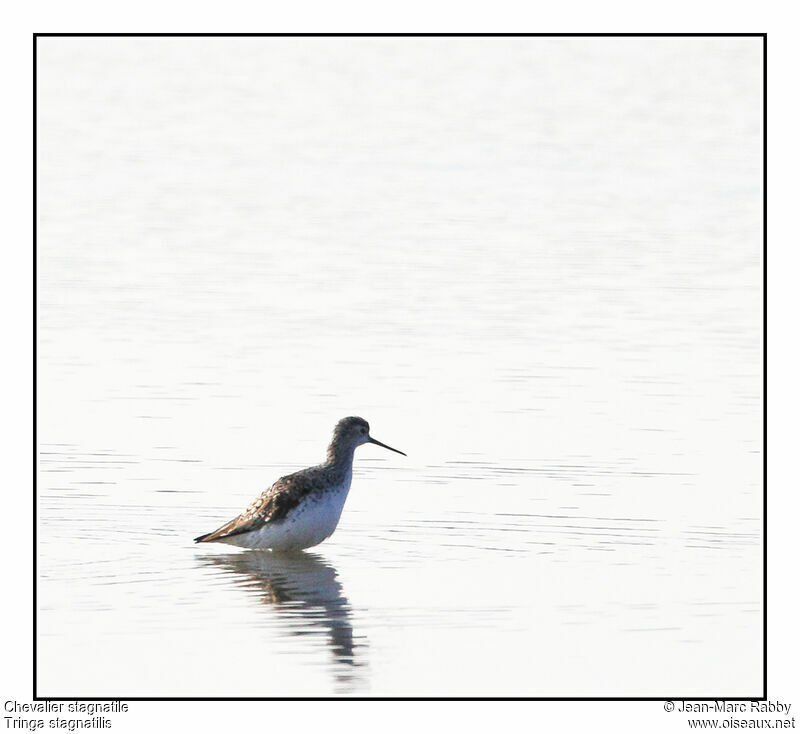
{"x": 230, "y": 527}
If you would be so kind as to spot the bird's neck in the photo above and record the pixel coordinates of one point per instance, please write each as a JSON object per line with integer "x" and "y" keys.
{"x": 339, "y": 455}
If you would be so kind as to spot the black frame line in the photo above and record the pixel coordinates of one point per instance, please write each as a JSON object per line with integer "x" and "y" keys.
{"x": 35, "y": 383}
{"x": 763, "y": 36}
{"x": 401, "y": 35}
{"x": 764, "y": 345}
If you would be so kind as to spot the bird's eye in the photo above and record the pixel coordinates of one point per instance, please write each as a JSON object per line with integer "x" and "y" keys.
{"x": 363, "y": 430}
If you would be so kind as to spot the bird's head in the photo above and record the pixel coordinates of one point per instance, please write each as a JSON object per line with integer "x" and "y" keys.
{"x": 354, "y": 431}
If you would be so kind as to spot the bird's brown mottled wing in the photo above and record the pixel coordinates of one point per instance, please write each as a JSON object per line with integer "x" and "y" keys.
{"x": 271, "y": 506}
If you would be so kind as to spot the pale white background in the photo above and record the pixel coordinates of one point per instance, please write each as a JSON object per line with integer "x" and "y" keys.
{"x": 557, "y": 314}
{"x": 471, "y": 717}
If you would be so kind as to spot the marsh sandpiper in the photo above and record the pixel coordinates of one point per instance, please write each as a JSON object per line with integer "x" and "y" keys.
{"x": 301, "y": 509}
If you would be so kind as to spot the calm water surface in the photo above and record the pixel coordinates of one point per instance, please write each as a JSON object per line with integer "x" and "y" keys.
{"x": 532, "y": 264}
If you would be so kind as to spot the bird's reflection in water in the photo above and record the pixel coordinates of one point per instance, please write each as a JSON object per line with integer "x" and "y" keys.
{"x": 306, "y": 594}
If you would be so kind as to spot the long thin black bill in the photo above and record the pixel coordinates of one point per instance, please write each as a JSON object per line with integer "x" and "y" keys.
{"x": 372, "y": 440}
